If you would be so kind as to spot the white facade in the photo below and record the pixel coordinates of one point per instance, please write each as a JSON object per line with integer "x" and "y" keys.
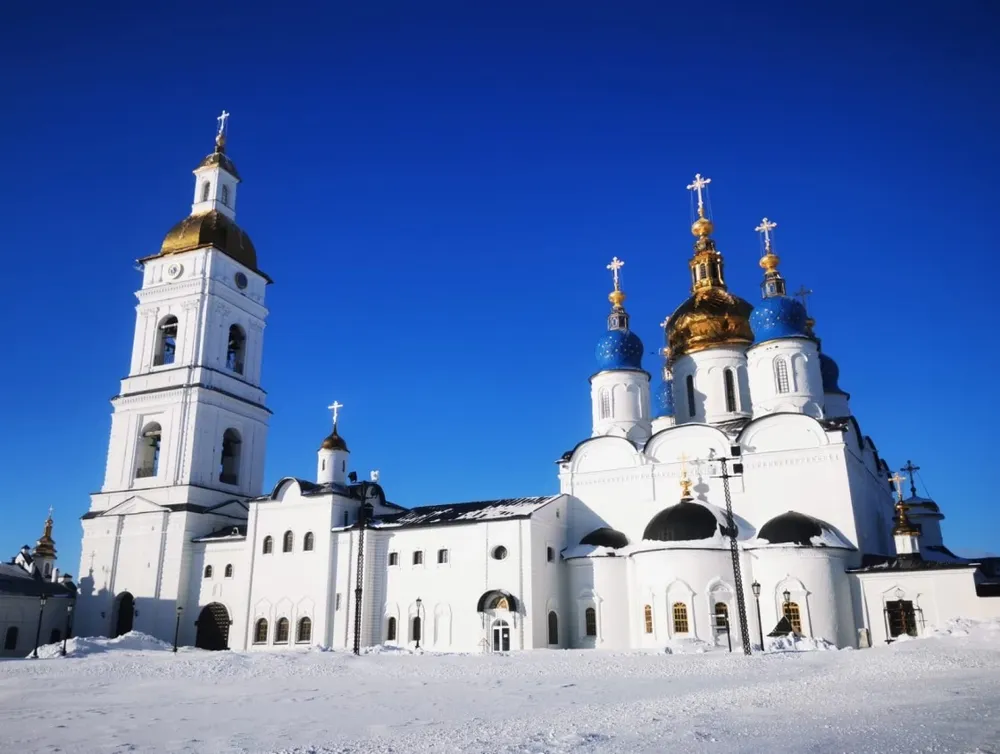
{"x": 180, "y": 537}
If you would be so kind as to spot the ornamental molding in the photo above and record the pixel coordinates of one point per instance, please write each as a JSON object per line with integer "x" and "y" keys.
{"x": 804, "y": 460}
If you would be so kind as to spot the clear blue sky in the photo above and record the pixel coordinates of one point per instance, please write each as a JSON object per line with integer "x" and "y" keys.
{"x": 436, "y": 190}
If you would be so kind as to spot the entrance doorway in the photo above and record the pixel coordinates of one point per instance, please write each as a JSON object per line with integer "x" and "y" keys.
{"x": 501, "y": 636}
{"x": 901, "y": 617}
{"x": 213, "y": 628}
{"x": 124, "y": 614}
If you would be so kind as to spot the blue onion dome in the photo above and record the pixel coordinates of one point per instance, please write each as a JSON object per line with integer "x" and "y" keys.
{"x": 663, "y": 398}
{"x": 779, "y": 317}
{"x": 619, "y": 349}
{"x": 830, "y": 372}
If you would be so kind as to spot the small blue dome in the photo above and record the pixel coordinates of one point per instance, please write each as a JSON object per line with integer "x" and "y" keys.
{"x": 778, "y": 317}
{"x": 831, "y": 373}
{"x": 619, "y": 349}
{"x": 663, "y": 400}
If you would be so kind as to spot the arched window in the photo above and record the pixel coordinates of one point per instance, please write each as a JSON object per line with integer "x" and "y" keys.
{"x": 305, "y": 630}
{"x": 553, "y": 628}
{"x": 206, "y": 188}
{"x": 791, "y": 611}
{"x": 148, "y": 463}
{"x": 55, "y": 636}
{"x": 307, "y": 541}
{"x": 268, "y": 545}
{"x": 225, "y": 194}
{"x": 689, "y": 384}
{"x": 229, "y": 571}
{"x": 281, "y": 631}
{"x": 605, "y": 403}
{"x": 390, "y": 633}
{"x": 208, "y": 572}
{"x": 781, "y": 375}
{"x": 442, "y": 556}
{"x": 10, "y": 639}
{"x": 680, "y": 612}
{"x": 260, "y": 632}
{"x": 229, "y": 466}
{"x": 236, "y": 350}
{"x": 288, "y": 542}
{"x": 730, "y": 383}
{"x": 590, "y": 621}
{"x": 721, "y": 616}
{"x": 166, "y": 341}
{"x": 48, "y": 570}
{"x": 415, "y": 629}
{"x": 647, "y": 617}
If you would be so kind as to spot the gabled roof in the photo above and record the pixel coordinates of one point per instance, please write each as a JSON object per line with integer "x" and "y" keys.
{"x": 15, "y": 580}
{"x": 460, "y": 513}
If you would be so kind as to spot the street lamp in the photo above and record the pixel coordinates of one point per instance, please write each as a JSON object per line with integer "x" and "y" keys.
{"x": 177, "y": 625}
{"x": 38, "y": 630}
{"x": 420, "y": 623}
{"x": 69, "y": 623}
{"x": 755, "y": 586}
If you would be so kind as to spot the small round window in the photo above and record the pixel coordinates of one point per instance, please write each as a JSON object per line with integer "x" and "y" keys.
{"x": 499, "y": 553}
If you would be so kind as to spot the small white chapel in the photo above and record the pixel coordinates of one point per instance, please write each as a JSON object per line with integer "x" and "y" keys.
{"x": 734, "y": 497}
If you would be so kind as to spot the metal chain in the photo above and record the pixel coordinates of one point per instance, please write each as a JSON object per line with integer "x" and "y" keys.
{"x": 734, "y": 551}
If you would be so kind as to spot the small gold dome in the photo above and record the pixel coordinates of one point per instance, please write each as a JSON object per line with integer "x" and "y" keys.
{"x": 702, "y": 227}
{"x": 711, "y": 317}
{"x": 211, "y": 229}
{"x": 769, "y": 262}
{"x": 334, "y": 441}
{"x": 616, "y": 297}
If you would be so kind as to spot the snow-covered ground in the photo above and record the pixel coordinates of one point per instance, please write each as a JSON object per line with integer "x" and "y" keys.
{"x": 133, "y": 694}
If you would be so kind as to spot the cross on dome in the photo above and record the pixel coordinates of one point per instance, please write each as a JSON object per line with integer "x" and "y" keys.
{"x": 897, "y": 480}
{"x": 222, "y": 122}
{"x": 697, "y": 186}
{"x": 616, "y": 264}
{"x": 802, "y": 294}
{"x": 335, "y": 408}
{"x": 765, "y": 228}
{"x": 909, "y": 468}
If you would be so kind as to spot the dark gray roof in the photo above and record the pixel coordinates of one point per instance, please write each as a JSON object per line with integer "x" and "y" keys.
{"x": 15, "y": 580}
{"x": 605, "y": 537}
{"x": 685, "y": 522}
{"x": 882, "y": 563}
{"x": 226, "y": 532}
{"x": 458, "y": 513}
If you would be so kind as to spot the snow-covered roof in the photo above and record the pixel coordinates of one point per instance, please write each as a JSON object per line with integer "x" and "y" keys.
{"x": 794, "y": 529}
{"x": 880, "y": 563}
{"x": 457, "y": 513}
{"x": 15, "y": 580}
{"x": 223, "y": 534}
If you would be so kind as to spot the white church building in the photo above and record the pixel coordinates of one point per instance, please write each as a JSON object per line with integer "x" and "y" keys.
{"x": 738, "y": 494}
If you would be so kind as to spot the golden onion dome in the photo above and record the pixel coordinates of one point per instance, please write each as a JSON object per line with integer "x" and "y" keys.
{"x": 211, "y": 229}
{"x": 709, "y": 318}
{"x": 334, "y": 441}
{"x": 702, "y": 227}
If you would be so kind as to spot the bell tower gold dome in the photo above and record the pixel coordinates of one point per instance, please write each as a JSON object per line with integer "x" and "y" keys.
{"x": 712, "y": 316}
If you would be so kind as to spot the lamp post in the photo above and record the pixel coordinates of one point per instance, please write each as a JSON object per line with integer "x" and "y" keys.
{"x": 755, "y": 586}
{"x": 420, "y": 622}
{"x": 177, "y": 625}
{"x": 735, "y": 452}
{"x": 69, "y": 624}
{"x": 38, "y": 629}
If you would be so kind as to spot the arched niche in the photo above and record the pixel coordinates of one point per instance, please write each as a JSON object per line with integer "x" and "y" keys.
{"x": 690, "y": 440}
{"x": 603, "y": 454}
{"x": 792, "y": 431}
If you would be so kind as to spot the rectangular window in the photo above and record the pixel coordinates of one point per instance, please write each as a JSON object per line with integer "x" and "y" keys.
{"x": 550, "y": 554}
{"x": 781, "y": 374}
{"x": 442, "y": 557}
{"x": 590, "y": 621}
{"x": 648, "y": 618}
{"x": 418, "y": 557}
{"x": 336, "y": 604}
{"x": 393, "y": 558}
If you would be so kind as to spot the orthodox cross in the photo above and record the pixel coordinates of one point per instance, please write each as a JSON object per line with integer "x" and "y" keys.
{"x": 685, "y": 482}
{"x": 222, "y": 122}
{"x": 909, "y": 468}
{"x": 335, "y": 407}
{"x": 897, "y": 479}
{"x": 93, "y": 555}
{"x": 697, "y": 186}
{"x": 765, "y": 227}
{"x": 51, "y": 509}
{"x": 616, "y": 264}
{"x": 803, "y": 294}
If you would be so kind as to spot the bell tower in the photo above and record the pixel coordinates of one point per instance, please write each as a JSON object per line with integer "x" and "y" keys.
{"x": 189, "y": 423}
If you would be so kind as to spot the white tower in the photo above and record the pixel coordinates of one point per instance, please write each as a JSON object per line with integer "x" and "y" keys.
{"x": 619, "y": 391}
{"x": 708, "y": 335}
{"x": 783, "y": 364}
{"x": 189, "y": 424}
{"x": 332, "y": 456}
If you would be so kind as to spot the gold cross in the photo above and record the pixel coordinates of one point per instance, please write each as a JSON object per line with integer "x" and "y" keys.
{"x": 616, "y": 264}
{"x": 897, "y": 479}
